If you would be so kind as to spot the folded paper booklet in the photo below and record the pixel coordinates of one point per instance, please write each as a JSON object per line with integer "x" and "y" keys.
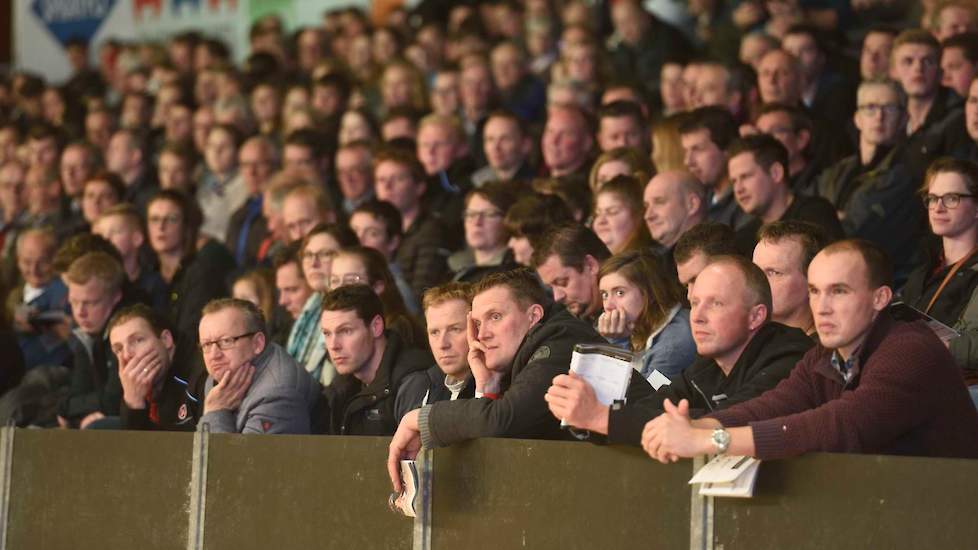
{"x": 407, "y": 501}
{"x": 728, "y": 476}
{"x": 608, "y": 369}
{"x": 905, "y": 312}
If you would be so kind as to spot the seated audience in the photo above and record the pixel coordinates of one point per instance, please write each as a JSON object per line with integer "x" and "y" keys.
{"x": 156, "y": 380}
{"x": 757, "y": 167}
{"x": 675, "y": 201}
{"x": 618, "y": 215}
{"x": 446, "y": 309}
{"x": 518, "y": 341}
{"x": 94, "y": 293}
{"x": 122, "y": 226}
{"x": 784, "y": 251}
{"x": 253, "y": 385}
{"x": 362, "y": 265}
{"x": 379, "y": 377}
{"x": 529, "y": 218}
{"x": 42, "y": 294}
{"x": 316, "y": 253}
{"x": 377, "y": 225}
{"x": 568, "y": 259}
{"x": 643, "y": 305}
{"x": 873, "y": 385}
{"x": 486, "y": 249}
{"x": 944, "y": 287}
{"x": 698, "y": 246}
{"x": 621, "y": 161}
{"x": 742, "y": 355}
{"x": 194, "y": 269}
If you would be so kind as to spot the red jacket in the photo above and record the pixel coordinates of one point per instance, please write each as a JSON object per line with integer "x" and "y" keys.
{"x": 907, "y": 398}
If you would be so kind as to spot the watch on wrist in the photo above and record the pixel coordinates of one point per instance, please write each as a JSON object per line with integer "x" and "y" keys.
{"x": 720, "y": 440}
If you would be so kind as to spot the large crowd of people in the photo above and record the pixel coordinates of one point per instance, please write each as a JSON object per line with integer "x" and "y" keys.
{"x": 401, "y": 223}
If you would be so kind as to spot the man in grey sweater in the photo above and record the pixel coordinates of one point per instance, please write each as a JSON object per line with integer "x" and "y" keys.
{"x": 253, "y": 384}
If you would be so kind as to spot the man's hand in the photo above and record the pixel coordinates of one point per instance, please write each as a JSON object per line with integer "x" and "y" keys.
{"x": 671, "y": 435}
{"x": 614, "y": 324}
{"x": 228, "y": 393}
{"x": 92, "y": 417}
{"x": 486, "y": 381}
{"x": 404, "y": 446}
{"x": 572, "y": 400}
{"x": 138, "y": 376}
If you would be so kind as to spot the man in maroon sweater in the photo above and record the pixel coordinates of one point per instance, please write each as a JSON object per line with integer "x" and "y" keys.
{"x": 874, "y": 385}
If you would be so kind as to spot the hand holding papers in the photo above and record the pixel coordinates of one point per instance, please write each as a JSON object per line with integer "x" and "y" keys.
{"x": 728, "y": 476}
{"x": 406, "y": 502}
{"x": 606, "y": 368}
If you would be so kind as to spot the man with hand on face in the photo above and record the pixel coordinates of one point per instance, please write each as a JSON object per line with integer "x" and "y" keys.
{"x": 742, "y": 354}
{"x": 446, "y": 310}
{"x": 518, "y": 341}
{"x": 874, "y": 385}
{"x": 379, "y": 377}
{"x": 155, "y": 382}
{"x": 253, "y": 384}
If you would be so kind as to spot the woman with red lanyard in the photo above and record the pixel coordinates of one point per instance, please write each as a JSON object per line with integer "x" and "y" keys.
{"x": 945, "y": 288}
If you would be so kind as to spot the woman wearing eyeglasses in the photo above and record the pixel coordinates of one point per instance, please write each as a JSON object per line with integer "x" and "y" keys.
{"x": 944, "y": 287}
{"x": 195, "y": 269}
{"x": 305, "y": 343}
{"x": 359, "y": 265}
{"x": 485, "y": 234}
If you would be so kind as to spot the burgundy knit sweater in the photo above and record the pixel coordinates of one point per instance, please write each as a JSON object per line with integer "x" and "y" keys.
{"x": 907, "y": 398}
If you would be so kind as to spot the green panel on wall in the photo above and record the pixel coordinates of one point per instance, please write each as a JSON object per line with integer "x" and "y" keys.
{"x": 99, "y": 489}
{"x": 504, "y": 493}
{"x": 278, "y": 492}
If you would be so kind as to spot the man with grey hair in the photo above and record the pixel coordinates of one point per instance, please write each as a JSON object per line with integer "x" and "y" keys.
{"x": 253, "y": 385}
{"x": 873, "y": 191}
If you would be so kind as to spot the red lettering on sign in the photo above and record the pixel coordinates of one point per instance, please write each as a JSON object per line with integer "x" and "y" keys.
{"x": 139, "y": 5}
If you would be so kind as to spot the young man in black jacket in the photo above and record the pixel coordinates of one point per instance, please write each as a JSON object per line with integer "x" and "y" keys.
{"x": 157, "y": 380}
{"x": 379, "y": 378}
{"x": 743, "y": 355}
{"x": 518, "y": 341}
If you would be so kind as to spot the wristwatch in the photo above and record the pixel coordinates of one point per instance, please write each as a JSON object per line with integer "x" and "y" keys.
{"x": 721, "y": 440}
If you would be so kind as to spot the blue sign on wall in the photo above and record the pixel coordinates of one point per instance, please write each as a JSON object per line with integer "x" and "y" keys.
{"x": 72, "y": 19}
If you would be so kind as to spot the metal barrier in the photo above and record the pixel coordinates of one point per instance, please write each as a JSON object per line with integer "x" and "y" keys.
{"x": 106, "y": 490}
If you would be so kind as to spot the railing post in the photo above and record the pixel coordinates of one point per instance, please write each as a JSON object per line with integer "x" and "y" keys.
{"x": 422, "y": 523}
{"x": 6, "y": 471}
{"x": 198, "y": 489}
{"x": 700, "y": 513}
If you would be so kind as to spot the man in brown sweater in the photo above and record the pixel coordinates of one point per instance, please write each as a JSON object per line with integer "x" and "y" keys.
{"x": 874, "y": 385}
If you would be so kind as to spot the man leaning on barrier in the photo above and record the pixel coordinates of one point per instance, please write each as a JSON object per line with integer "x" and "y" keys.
{"x": 518, "y": 341}
{"x": 874, "y": 385}
{"x": 254, "y": 385}
{"x": 742, "y": 354}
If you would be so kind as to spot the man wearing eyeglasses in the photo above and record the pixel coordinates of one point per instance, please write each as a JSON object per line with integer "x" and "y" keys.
{"x": 874, "y": 191}
{"x": 253, "y": 384}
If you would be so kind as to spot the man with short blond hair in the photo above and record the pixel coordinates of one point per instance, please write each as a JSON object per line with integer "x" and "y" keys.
{"x": 446, "y": 309}
{"x": 94, "y": 292}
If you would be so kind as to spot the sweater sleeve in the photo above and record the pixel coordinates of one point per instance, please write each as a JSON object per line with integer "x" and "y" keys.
{"x": 887, "y": 402}
{"x": 520, "y": 412}
{"x": 793, "y": 394}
